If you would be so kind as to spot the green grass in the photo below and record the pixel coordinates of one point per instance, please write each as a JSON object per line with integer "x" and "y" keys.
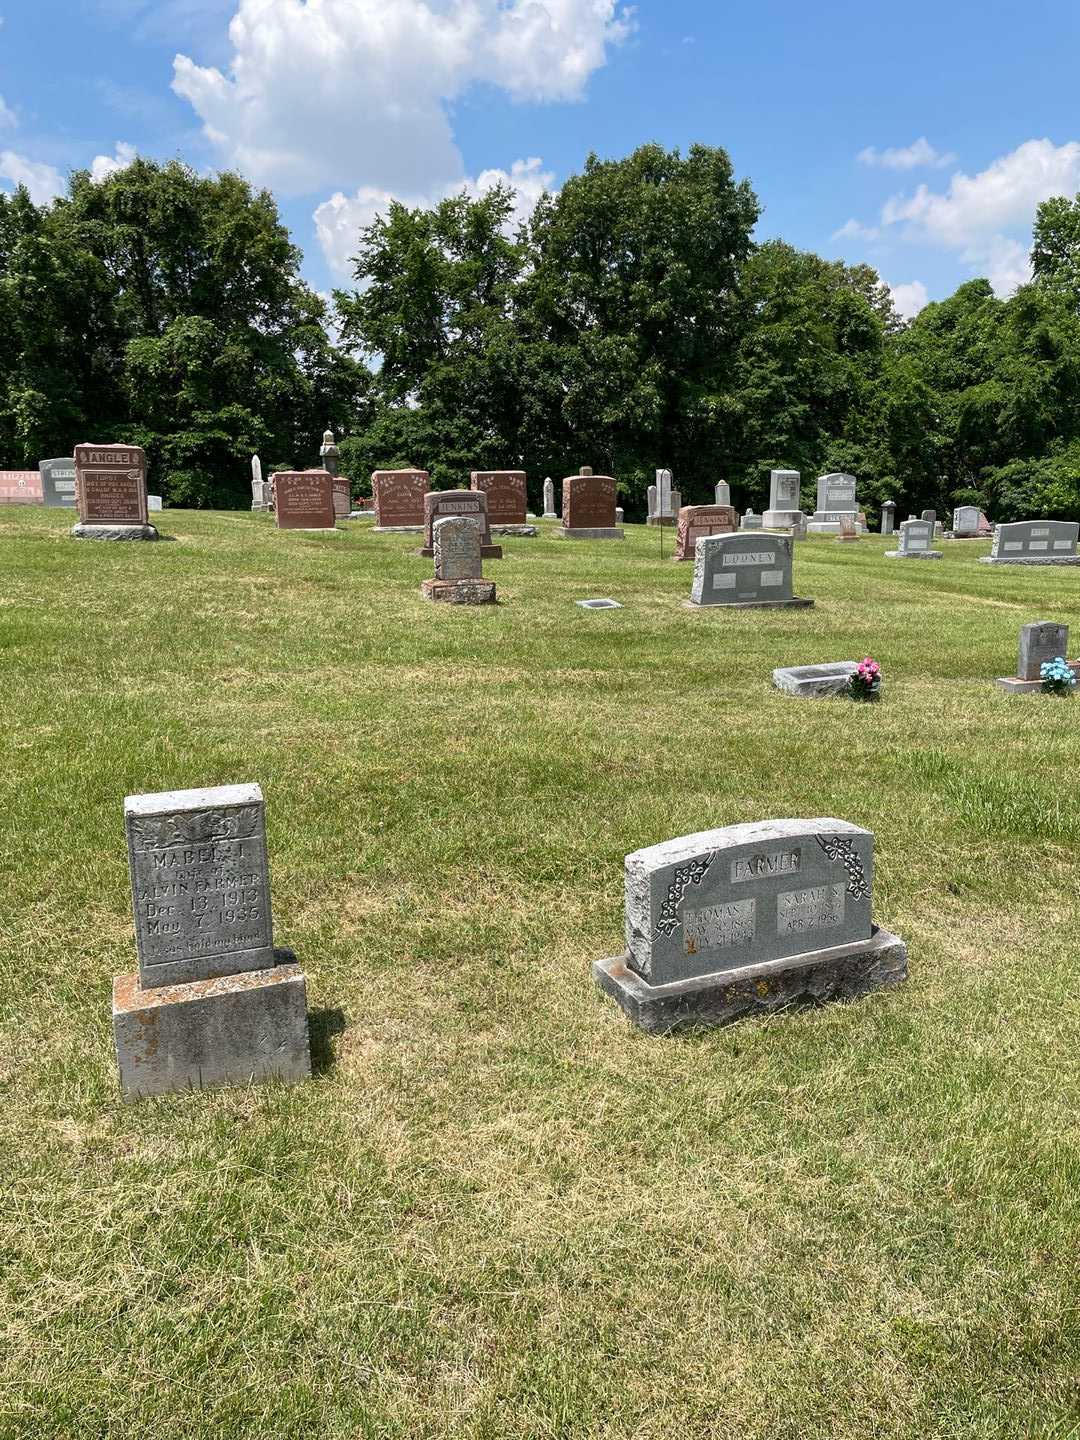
{"x": 497, "y": 1211}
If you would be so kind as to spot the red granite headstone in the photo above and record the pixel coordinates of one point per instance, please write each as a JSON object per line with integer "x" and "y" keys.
{"x": 110, "y": 484}
{"x": 695, "y": 521}
{"x": 342, "y": 495}
{"x": 438, "y": 504}
{"x": 505, "y": 491}
{"x": 304, "y": 500}
{"x": 398, "y": 496}
{"x": 588, "y": 502}
{"x": 20, "y": 487}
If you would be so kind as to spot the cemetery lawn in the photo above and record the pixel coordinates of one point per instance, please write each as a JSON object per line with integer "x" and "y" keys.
{"x": 497, "y": 1211}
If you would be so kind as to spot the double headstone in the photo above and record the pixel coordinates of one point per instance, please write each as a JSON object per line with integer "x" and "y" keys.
{"x": 697, "y": 521}
{"x": 749, "y": 919}
{"x": 507, "y": 500}
{"x": 749, "y": 571}
{"x": 304, "y": 500}
{"x": 110, "y": 484}
{"x": 588, "y": 507}
{"x": 1034, "y": 542}
{"x": 398, "y": 499}
{"x": 458, "y": 555}
{"x": 785, "y": 502}
{"x": 209, "y": 1005}
{"x": 58, "y": 482}
{"x": 835, "y": 497}
{"x": 916, "y": 542}
{"x": 1040, "y": 641}
{"x": 470, "y": 504}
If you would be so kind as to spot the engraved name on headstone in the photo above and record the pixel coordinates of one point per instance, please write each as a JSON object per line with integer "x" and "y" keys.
{"x": 398, "y": 498}
{"x": 506, "y": 494}
{"x": 304, "y": 500}
{"x": 111, "y": 484}
{"x": 744, "y": 569}
{"x": 457, "y": 548}
{"x": 697, "y": 521}
{"x": 1034, "y": 542}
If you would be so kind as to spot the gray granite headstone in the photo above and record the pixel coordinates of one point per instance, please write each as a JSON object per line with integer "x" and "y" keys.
{"x": 746, "y": 894}
{"x": 930, "y": 516}
{"x": 750, "y": 521}
{"x": 722, "y": 493}
{"x": 329, "y": 454}
{"x": 457, "y": 545}
{"x": 888, "y": 517}
{"x": 652, "y": 500}
{"x": 916, "y": 542}
{"x": 743, "y": 569}
{"x": 1040, "y": 641}
{"x": 663, "y": 493}
{"x": 835, "y": 496}
{"x": 1034, "y": 542}
{"x": 58, "y": 482}
{"x": 200, "y": 883}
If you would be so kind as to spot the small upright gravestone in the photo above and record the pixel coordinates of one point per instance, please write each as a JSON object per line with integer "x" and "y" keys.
{"x": 848, "y": 530}
{"x": 550, "y": 513}
{"x": 930, "y": 516}
{"x": 1040, "y": 641}
{"x": 210, "y": 1005}
{"x": 744, "y": 571}
{"x": 750, "y": 521}
{"x": 304, "y": 500}
{"x": 398, "y": 499}
{"x": 472, "y": 504}
{"x": 507, "y": 501}
{"x": 785, "y": 505}
{"x": 110, "y": 484}
{"x": 342, "y": 496}
{"x": 259, "y": 497}
{"x": 588, "y": 502}
{"x": 329, "y": 454}
{"x": 697, "y": 521}
{"x": 458, "y": 554}
{"x": 749, "y": 919}
{"x": 722, "y": 493}
{"x": 58, "y": 482}
{"x": 969, "y": 523}
{"x": 1034, "y": 542}
{"x": 916, "y": 540}
{"x": 835, "y": 497}
{"x": 888, "y": 517}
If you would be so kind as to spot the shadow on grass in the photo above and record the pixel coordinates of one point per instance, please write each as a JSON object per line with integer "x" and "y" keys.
{"x": 323, "y": 1025}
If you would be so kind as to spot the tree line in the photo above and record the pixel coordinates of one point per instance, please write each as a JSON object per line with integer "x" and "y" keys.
{"x": 632, "y": 321}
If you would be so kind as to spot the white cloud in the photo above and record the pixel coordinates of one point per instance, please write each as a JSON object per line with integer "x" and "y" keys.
{"x": 339, "y": 220}
{"x": 7, "y": 115}
{"x": 855, "y": 230}
{"x": 44, "y": 182}
{"x": 918, "y": 155}
{"x": 909, "y": 299}
{"x": 102, "y": 166}
{"x": 353, "y": 93}
{"x": 984, "y": 218}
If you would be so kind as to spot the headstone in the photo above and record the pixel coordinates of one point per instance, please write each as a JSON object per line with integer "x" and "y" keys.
{"x": 835, "y": 497}
{"x": 154, "y": 502}
{"x": 888, "y": 517}
{"x": 1034, "y": 542}
{"x": 696, "y": 521}
{"x": 304, "y": 500}
{"x": 472, "y": 504}
{"x": 749, "y": 919}
{"x": 652, "y": 500}
{"x": 816, "y": 682}
{"x": 329, "y": 453}
{"x": 58, "y": 482}
{"x": 209, "y": 1005}
{"x": 550, "y": 513}
{"x": 930, "y": 515}
{"x": 848, "y": 531}
{"x": 589, "y": 507}
{"x": 110, "y": 485}
{"x": 722, "y": 493}
{"x": 750, "y": 521}
{"x": 342, "y": 495}
{"x": 398, "y": 497}
{"x": 785, "y": 501}
{"x": 507, "y": 500}
{"x": 969, "y": 523}
{"x": 1040, "y": 641}
{"x": 748, "y": 571}
{"x": 664, "y": 501}
{"x": 458, "y": 554}
{"x": 619, "y": 515}
{"x": 20, "y": 487}
{"x": 258, "y": 490}
{"x": 916, "y": 542}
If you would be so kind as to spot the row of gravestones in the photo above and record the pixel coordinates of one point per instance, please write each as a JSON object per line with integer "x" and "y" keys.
{"x": 721, "y": 924}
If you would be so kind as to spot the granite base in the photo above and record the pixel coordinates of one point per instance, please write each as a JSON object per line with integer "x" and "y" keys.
{"x": 230, "y": 1031}
{"x": 398, "y": 530}
{"x": 600, "y": 532}
{"x": 843, "y": 972}
{"x": 913, "y": 554}
{"x": 459, "y": 592}
{"x": 487, "y": 552}
{"x": 523, "y": 532}
{"x": 114, "y": 532}
{"x": 1030, "y": 560}
{"x": 665, "y": 521}
{"x": 793, "y": 604}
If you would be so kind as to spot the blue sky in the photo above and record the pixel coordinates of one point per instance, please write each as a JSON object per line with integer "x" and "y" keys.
{"x": 918, "y": 138}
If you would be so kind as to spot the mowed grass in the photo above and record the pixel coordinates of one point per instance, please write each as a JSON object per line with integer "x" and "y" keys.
{"x": 497, "y": 1211}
